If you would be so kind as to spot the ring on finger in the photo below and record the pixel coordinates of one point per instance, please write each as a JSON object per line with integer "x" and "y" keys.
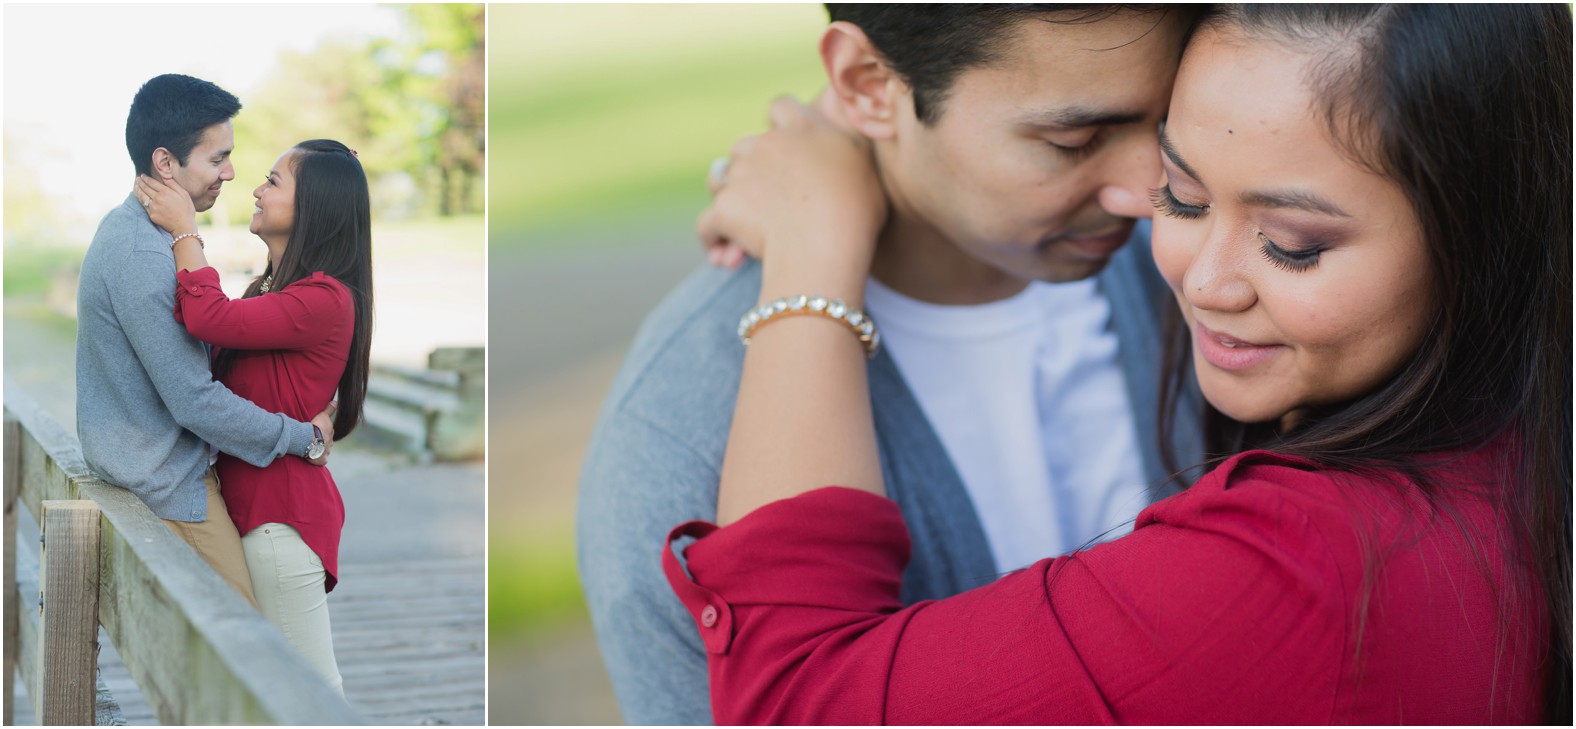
{"x": 719, "y": 170}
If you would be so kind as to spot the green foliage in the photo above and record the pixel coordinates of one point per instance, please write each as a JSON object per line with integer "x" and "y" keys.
{"x": 413, "y": 110}
{"x": 605, "y": 114}
{"x": 31, "y": 270}
{"x": 531, "y": 584}
{"x": 30, "y": 216}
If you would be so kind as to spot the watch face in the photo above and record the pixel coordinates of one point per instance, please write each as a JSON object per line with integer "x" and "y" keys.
{"x": 315, "y": 450}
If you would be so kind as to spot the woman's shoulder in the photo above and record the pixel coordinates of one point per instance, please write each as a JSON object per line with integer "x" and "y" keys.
{"x": 1341, "y": 512}
{"x": 320, "y": 282}
{"x": 1267, "y": 480}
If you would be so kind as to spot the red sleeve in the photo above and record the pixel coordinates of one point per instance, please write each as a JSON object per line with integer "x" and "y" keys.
{"x": 1223, "y": 606}
{"x": 295, "y": 317}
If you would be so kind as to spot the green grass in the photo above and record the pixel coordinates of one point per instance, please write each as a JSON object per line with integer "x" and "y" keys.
{"x": 461, "y": 236}
{"x": 531, "y": 584}
{"x": 615, "y": 126}
{"x": 31, "y": 270}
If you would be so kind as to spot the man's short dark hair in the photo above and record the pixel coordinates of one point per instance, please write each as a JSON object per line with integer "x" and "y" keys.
{"x": 928, "y": 45}
{"x": 171, "y": 111}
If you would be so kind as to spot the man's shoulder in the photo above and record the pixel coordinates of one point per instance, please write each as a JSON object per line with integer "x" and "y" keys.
{"x": 121, "y": 233}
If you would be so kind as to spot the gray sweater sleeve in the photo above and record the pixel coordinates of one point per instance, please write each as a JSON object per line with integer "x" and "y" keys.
{"x": 638, "y": 483}
{"x": 143, "y": 297}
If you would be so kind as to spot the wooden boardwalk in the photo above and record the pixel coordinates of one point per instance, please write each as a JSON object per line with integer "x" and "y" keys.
{"x": 408, "y": 636}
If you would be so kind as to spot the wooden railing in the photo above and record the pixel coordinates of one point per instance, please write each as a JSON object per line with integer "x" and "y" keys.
{"x": 198, "y": 651}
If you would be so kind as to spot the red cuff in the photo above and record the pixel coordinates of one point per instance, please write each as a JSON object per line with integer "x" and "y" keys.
{"x": 833, "y": 547}
{"x": 194, "y": 283}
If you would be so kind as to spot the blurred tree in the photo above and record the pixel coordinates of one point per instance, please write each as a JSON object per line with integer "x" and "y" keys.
{"x": 412, "y": 107}
{"x": 458, "y": 33}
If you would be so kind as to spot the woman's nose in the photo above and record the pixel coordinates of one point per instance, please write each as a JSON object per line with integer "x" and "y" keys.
{"x": 1217, "y": 279}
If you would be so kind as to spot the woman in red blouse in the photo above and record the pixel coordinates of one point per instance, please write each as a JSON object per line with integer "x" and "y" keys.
{"x": 300, "y": 333}
{"x": 1366, "y": 222}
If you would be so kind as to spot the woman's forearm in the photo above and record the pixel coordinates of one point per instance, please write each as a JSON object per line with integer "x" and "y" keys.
{"x": 189, "y": 254}
{"x": 803, "y": 417}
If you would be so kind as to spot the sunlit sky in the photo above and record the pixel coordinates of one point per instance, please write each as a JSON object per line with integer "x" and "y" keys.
{"x": 71, "y": 72}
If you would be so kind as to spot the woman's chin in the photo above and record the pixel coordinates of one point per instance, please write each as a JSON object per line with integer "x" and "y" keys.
{"x": 1241, "y": 404}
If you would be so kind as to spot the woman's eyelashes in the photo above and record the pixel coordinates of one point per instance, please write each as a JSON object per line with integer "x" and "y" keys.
{"x": 1286, "y": 259}
{"x": 1167, "y": 204}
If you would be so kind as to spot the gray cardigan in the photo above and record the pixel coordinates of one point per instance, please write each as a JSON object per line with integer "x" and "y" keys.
{"x": 147, "y": 406}
{"x": 655, "y": 458}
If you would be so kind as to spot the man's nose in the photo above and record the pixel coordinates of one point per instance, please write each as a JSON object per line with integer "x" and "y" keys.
{"x": 227, "y": 172}
{"x": 1134, "y": 170}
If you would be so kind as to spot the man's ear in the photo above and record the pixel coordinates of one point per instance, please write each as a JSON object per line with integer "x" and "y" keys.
{"x": 858, "y": 75}
{"x": 164, "y": 163}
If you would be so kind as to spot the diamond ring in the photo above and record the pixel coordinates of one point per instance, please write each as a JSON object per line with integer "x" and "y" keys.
{"x": 719, "y": 170}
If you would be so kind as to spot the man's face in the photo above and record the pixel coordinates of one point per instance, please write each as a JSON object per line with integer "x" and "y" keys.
{"x": 208, "y": 167}
{"x": 1011, "y": 171}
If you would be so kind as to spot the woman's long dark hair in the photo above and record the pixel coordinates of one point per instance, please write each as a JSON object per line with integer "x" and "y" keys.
{"x": 1468, "y": 108}
{"x": 332, "y": 233}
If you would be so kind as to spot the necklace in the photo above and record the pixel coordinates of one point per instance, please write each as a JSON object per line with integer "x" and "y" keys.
{"x": 267, "y": 282}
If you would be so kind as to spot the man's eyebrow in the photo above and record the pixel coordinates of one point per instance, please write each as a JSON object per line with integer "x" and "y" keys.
{"x": 1297, "y": 199}
{"x": 1079, "y": 116}
{"x": 1171, "y": 151}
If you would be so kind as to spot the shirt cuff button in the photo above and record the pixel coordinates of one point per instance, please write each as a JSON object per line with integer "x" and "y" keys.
{"x": 708, "y": 616}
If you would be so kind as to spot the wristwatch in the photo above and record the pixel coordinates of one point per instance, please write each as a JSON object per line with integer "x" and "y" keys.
{"x": 315, "y": 450}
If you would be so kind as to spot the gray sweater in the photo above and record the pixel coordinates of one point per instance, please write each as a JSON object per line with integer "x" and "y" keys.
{"x": 147, "y": 406}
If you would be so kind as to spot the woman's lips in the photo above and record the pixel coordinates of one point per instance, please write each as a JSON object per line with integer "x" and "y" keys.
{"x": 1228, "y": 352}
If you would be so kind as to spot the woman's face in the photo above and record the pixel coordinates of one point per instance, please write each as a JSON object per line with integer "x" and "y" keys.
{"x": 1304, "y": 277}
{"x": 275, "y": 211}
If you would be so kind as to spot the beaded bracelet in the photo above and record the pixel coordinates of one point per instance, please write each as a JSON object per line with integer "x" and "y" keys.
{"x": 182, "y": 236}
{"x": 835, "y": 310}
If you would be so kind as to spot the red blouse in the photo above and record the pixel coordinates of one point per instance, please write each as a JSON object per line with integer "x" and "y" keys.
{"x": 1238, "y": 601}
{"x": 296, "y": 342}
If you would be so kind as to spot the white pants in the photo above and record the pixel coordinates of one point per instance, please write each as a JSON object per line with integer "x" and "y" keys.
{"x": 288, "y": 580}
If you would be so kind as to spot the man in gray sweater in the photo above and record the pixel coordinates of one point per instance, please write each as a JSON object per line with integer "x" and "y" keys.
{"x": 149, "y": 414}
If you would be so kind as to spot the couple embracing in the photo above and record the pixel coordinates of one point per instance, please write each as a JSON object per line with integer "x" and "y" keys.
{"x": 219, "y": 413}
{"x": 1303, "y": 444}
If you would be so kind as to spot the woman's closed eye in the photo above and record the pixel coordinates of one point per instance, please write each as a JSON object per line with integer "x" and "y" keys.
{"x": 1167, "y": 204}
{"x": 1289, "y": 259}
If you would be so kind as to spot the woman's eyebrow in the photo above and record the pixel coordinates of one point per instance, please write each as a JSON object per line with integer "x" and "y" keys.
{"x": 1296, "y": 199}
{"x": 1171, "y": 152}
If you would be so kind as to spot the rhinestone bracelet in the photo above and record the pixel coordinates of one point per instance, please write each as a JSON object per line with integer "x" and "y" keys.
{"x": 835, "y": 309}
{"x": 184, "y": 236}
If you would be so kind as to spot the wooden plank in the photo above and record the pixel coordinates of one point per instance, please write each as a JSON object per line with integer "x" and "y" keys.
{"x": 197, "y": 650}
{"x": 69, "y": 574}
{"x": 27, "y": 624}
{"x": 11, "y": 472}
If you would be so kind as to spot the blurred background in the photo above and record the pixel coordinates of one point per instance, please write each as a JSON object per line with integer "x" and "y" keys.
{"x": 605, "y": 119}
{"x": 402, "y": 84}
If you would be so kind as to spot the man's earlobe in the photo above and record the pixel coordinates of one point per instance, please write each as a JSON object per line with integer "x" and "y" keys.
{"x": 858, "y": 75}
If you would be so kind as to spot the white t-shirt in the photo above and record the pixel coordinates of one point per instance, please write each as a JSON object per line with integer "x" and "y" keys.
{"x": 1028, "y": 398}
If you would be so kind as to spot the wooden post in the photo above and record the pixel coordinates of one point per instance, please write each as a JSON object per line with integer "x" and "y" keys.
{"x": 13, "y": 637}
{"x": 68, "y": 580}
